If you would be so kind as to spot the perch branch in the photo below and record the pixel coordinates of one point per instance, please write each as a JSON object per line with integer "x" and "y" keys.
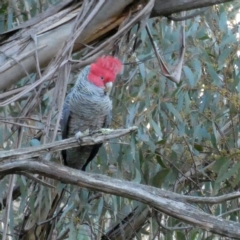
{"x": 96, "y": 137}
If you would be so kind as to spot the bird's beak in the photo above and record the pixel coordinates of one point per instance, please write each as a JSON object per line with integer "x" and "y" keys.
{"x": 108, "y": 87}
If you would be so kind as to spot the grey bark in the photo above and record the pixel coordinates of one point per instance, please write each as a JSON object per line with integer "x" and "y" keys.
{"x": 151, "y": 196}
{"x": 18, "y": 54}
{"x": 165, "y": 8}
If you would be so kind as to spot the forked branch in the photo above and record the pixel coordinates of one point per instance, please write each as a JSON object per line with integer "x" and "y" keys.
{"x": 172, "y": 204}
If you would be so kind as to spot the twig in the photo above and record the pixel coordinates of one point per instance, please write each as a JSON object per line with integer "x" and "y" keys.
{"x": 228, "y": 212}
{"x": 191, "y": 15}
{"x": 22, "y": 125}
{"x": 12, "y": 181}
{"x": 35, "y": 179}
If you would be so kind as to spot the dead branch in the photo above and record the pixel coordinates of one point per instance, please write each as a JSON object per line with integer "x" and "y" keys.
{"x": 167, "y": 202}
{"x": 97, "y": 137}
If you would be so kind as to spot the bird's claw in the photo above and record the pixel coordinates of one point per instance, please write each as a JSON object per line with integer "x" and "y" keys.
{"x": 78, "y": 136}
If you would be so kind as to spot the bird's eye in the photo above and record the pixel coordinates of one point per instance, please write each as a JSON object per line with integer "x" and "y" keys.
{"x": 102, "y": 77}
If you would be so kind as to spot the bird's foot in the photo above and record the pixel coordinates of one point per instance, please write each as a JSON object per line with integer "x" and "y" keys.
{"x": 106, "y": 130}
{"x": 78, "y": 136}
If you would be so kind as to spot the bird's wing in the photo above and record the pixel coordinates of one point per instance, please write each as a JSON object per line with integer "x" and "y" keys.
{"x": 64, "y": 123}
{"x": 65, "y": 117}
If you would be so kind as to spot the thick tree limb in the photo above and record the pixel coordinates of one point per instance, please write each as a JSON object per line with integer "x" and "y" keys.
{"x": 17, "y": 58}
{"x": 99, "y": 137}
{"x": 59, "y": 29}
{"x": 164, "y": 201}
{"x": 164, "y": 8}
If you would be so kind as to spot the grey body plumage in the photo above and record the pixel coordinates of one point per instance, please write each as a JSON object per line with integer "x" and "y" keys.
{"x": 86, "y": 107}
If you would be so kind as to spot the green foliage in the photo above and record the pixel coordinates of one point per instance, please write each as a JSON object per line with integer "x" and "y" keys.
{"x": 190, "y": 128}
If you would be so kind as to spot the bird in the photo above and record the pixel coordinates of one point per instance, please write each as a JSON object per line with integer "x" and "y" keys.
{"x": 88, "y": 107}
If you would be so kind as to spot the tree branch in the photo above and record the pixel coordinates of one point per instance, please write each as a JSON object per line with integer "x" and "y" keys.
{"x": 169, "y": 203}
{"x": 165, "y": 8}
{"x": 18, "y": 59}
{"x": 97, "y": 137}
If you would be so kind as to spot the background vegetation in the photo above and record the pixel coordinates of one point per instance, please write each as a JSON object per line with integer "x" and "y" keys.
{"x": 187, "y": 139}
